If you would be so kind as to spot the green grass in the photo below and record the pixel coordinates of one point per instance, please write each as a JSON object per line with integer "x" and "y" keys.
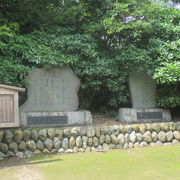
{"x": 157, "y": 163}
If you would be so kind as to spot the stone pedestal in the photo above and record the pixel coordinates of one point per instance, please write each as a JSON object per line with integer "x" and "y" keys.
{"x": 77, "y": 118}
{"x": 132, "y": 115}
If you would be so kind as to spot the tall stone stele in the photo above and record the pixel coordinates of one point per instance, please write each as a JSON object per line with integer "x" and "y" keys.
{"x": 53, "y": 99}
{"x": 143, "y": 98}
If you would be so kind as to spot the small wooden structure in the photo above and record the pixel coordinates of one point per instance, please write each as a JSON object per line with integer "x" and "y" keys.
{"x": 9, "y": 108}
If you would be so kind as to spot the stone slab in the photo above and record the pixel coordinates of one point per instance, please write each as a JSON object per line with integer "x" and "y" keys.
{"x": 142, "y": 90}
{"x": 51, "y": 90}
{"x": 81, "y": 118}
{"x": 132, "y": 115}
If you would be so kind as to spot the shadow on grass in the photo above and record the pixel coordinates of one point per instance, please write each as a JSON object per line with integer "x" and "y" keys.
{"x": 7, "y": 163}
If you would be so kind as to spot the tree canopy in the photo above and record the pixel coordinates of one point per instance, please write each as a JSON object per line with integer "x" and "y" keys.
{"x": 103, "y": 41}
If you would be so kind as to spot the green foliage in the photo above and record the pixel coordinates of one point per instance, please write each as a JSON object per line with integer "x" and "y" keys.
{"x": 103, "y": 41}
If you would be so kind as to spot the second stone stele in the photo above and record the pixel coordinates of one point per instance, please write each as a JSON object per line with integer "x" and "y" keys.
{"x": 143, "y": 97}
{"x": 53, "y": 99}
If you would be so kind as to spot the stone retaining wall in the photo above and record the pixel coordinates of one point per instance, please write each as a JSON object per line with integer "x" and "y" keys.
{"x": 28, "y": 142}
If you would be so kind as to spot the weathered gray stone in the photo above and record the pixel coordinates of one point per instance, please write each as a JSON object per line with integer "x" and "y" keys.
{"x": 10, "y": 154}
{"x": 65, "y": 143}
{"x": 149, "y": 127}
{"x": 39, "y": 145}
{"x": 114, "y": 130}
{"x": 48, "y": 143}
{"x": 135, "y": 127}
{"x": 51, "y": 133}
{"x": 114, "y": 139}
{"x": 102, "y": 139}
{"x": 172, "y": 126}
{"x": 156, "y": 127}
{"x": 45, "y": 151}
{"x": 75, "y": 149}
{"x": 20, "y": 154}
{"x": 42, "y": 134}
{"x": 177, "y": 135}
{"x": 159, "y": 143}
{"x": 67, "y": 132}
{"x": 97, "y": 131}
{"x": 128, "y": 128}
{"x": 68, "y": 151}
{"x": 90, "y": 141}
{"x": 164, "y": 127}
{"x": 126, "y": 145}
{"x": 126, "y": 137}
{"x": 122, "y": 129}
{"x": 99, "y": 148}
{"x": 2, "y": 155}
{"x": 108, "y": 139}
{"x": 3, "y": 148}
{"x": 56, "y": 143}
{"x": 52, "y": 83}
{"x": 75, "y": 131}
{"x": 152, "y": 144}
{"x": 112, "y": 146}
{"x": 147, "y": 136}
{"x": 81, "y": 150}
{"x": 136, "y": 145}
{"x": 72, "y": 142}
{"x": 8, "y": 136}
{"x": 36, "y": 152}
{"x": 131, "y": 145}
{"x": 162, "y": 136}
{"x": 85, "y": 141}
{"x": 54, "y": 151}
{"x": 79, "y": 142}
{"x": 88, "y": 149}
{"x": 142, "y": 90}
{"x": 154, "y": 136}
{"x": 139, "y": 137}
{"x": 1, "y": 135}
{"x": 143, "y": 144}
{"x": 34, "y": 135}
{"x": 105, "y": 147}
{"x": 177, "y": 126}
{"x": 18, "y": 135}
{"x": 118, "y": 146}
{"x": 83, "y": 131}
{"x": 142, "y": 128}
{"x": 121, "y": 139}
{"x": 59, "y": 133}
{"x": 31, "y": 145}
{"x": 104, "y": 130}
{"x": 22, "y": 146}
{"x": 61, "y": 150}
{"x": 91, "y": 131}
{"x": 167, "y": 144}
{"x": 95, "y": 141}
{"x": 175, "y": 141}
{"x": 13, "y": 147}
{"x": 132, "y": 136}
{"x": 169, "y": 135}
{"x": 28, "y": 153}
{"x": 26, "y": 134}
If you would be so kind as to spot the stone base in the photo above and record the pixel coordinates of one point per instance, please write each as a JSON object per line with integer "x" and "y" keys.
{"x": 132, "y": 115}
{"x": 34, "y": 119}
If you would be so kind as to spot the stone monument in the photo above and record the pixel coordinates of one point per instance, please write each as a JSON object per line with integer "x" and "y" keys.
{"x": 53, "y": 99}
{"x": 143, "y": 97}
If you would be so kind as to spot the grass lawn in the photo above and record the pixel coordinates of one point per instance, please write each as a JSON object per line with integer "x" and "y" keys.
{"x": 157, "y": 163}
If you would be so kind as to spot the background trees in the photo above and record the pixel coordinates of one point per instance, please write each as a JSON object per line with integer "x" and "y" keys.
{"x": 103, "y": 41}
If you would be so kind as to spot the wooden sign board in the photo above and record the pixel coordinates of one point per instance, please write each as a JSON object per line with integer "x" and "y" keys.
{"x": 9, "y": 107}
